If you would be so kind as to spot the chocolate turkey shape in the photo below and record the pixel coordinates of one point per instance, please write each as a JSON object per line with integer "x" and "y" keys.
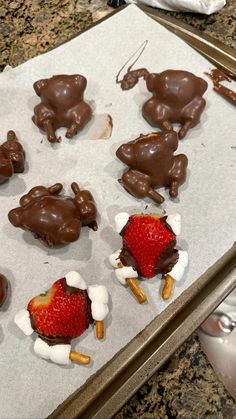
{"x": 12, "y": 157}
{"x": 177, "y": 97}
{"x": 62, "y": 105}
{"x": 153, "y": 165}
{"x": 56, "y": 220}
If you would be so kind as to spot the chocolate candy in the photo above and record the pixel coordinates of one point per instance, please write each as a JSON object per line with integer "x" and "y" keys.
{"x": 3, "y": 289}
{"x": 152, "y": 164}
{"x": 12, "y": 157}
{"x": 62, "y": 105}
{"x": 176, "y": 97}
{"x": 55, "y": 219}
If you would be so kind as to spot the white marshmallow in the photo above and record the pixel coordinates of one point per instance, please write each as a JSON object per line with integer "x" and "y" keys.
{"x": 99, "y": 311}
{"x": 174, "y": 221}
{"x": 74, "y": 279}
{"x": 114, "y": 259}
{"x": 60, "y": 354}
{"x": 22, "y": 320}
{"x": 126, "y": 272}
{"x": 42, "y": 349}
{"x": 98, "y": 294}
{"x": 178, "y": 270}
{"x": 121, "y": 220}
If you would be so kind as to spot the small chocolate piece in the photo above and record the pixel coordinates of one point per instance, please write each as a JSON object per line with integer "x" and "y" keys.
{"x": 55, "y": 220}
{"x": 152, "y": 164}
{"x": 217, "y": 76}
{"x": 3, "y": 289}
{"x": 62, "y": 105}
{"x": 177, "y": 98}
{"x": 12, "y": 157}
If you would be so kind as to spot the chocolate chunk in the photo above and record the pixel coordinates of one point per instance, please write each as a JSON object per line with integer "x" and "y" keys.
{"x": 55, "y": 219}
{"x": 152, "y": 164}
{"x": 3, "y": 288}
{"x": 62, "y": 105}
{"x": 176, "y": 98}
{"x": 218, "y": 76}
{"x": 12, "y": 157}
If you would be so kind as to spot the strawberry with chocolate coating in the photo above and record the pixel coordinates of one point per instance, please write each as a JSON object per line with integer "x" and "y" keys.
{"x": 61, "y": 314}
{"x": 148, "y": 249}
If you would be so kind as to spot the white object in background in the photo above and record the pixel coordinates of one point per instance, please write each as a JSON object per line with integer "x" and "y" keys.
{"x": 206, "y": 7}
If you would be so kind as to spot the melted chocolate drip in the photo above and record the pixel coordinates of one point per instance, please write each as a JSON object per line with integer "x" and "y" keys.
{"x": 12, "y": 157}
{"x": 152, "y": 164}
{"x": 3, "y": 289}
{"x": 217, "y": 76}
{"x": 62, "y": 105}
{"x": 55, "y": 220}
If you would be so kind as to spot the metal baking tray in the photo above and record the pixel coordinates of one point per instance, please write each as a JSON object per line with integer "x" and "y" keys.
{"x": 109, "y": 389}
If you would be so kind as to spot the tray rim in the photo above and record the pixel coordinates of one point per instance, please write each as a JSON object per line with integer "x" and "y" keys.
{"x": 105, "y": 392}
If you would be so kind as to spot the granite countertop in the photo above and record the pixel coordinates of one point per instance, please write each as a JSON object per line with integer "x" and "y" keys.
{"x": 186, "y": 387}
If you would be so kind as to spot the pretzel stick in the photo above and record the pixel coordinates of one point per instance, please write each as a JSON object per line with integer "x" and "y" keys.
{"x": 135, "y": 288}
{"x": 100, "y": 329}
{"x": 80, "y": 358}
{"x": 168, "y": 287}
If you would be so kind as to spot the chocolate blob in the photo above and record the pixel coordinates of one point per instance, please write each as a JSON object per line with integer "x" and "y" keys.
{"x": 55, "y": 220}
{"x": 62, "y": 105}
{"x": 217, "y": 76}
{"x": 152, "y": 164}
{"x": 176, "y": 98}
{"x": 3, "y": 289}
{"x": 12, "y": 157}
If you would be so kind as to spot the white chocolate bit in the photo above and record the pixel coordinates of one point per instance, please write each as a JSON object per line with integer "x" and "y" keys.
{"x": 174, "y": 221}
{"x": 126, "y": 272}
{"x": 178, "y": 270}
{"x": 98, "y": 294}
{"x": 22, "y": 320}
{"x": 121, "y": 220}
{"x": 42, "y": 349}
{"x": 99, "y": 311}
{"x": 60, "y": 354}
{"x": 74, "y": 279}
{"x": 114, "y": 259}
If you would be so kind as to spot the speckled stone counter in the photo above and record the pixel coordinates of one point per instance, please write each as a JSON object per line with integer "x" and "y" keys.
{"x": 186, "y": 387}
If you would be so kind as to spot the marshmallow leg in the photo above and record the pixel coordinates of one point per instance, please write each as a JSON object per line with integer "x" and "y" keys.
{"x": 127, "y": 275}
{"x": 114, "y": 259}
{"x": 59, "y": 354}
{"x": 175, "y": 274}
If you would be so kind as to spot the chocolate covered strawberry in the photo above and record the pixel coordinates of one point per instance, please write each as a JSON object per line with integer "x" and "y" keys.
{"x": 148, "y": 249}
{"x": 63, "y": 313}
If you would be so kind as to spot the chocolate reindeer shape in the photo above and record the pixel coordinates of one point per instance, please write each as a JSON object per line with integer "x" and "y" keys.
{"x": 152, "y": 164}
{"x": 55, "y": 220}
{"x": 62, "y": 105}
{"x": 176, "y": 97}
{"x": 12, "y": 157}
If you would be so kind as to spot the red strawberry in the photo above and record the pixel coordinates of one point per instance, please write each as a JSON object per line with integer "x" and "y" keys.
{"x": 146, "y": 238}
{"x": 62, "y": 311}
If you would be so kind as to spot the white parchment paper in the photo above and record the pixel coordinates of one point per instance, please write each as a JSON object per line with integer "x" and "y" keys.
{"x": 31, "y": 387}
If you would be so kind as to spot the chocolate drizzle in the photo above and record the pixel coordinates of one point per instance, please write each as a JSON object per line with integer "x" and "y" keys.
{"x": 217, "y": 76}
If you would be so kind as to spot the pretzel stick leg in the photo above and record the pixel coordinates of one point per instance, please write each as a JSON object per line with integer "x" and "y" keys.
{"x": 136, "y": 290}
{"x": 80, "y": 358}
{"x": 100, "y": 329}
{"x": 168, "y": 287}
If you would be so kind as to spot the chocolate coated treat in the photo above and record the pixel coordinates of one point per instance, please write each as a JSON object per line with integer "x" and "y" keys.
{"x": 3, "y": 289}
{"x": 177, "y": 97}
{"x": 152, "y": 164}
{"x": 55, "y": 219}
{"x": 217, "y": 76}
{"x": 62, "y": 105}
{"x": 12, "y": 157}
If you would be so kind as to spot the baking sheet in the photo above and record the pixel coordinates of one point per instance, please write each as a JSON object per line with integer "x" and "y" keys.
{"x": 33, "y": 387}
